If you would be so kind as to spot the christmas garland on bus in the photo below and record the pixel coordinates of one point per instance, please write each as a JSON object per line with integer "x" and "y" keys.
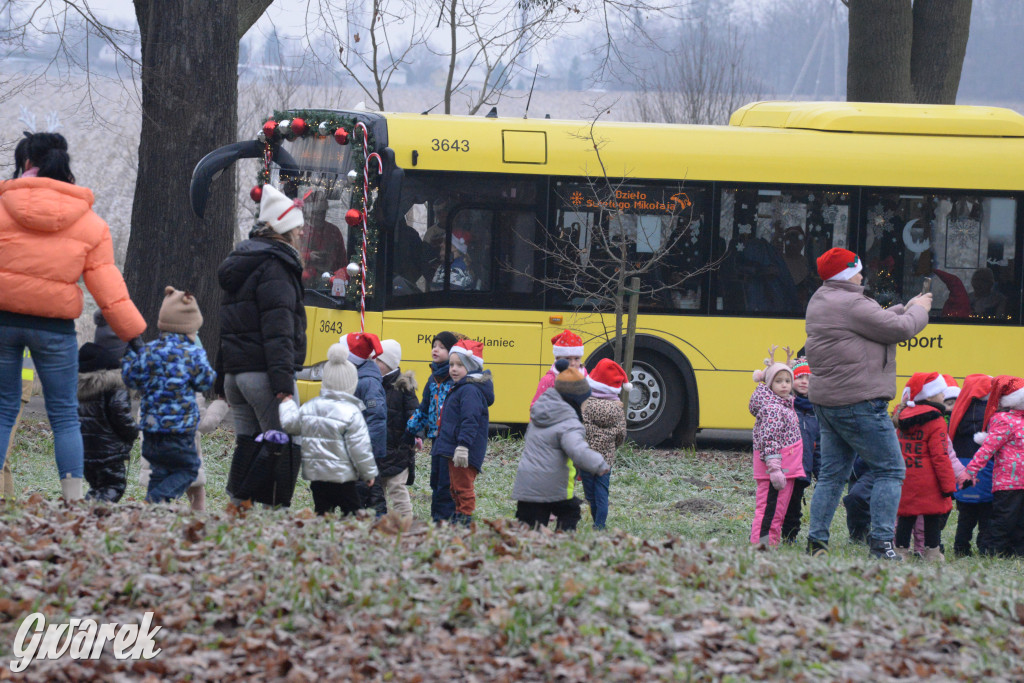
{"x": 345, "y": 130}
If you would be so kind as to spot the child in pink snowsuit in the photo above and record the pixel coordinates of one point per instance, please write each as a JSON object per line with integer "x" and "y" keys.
{"x": 778, "y": 449}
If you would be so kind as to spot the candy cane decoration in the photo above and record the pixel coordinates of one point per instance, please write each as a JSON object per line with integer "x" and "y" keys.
{"x": 367, "y": 156}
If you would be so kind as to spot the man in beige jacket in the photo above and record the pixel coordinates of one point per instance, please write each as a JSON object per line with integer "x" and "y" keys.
{"x": 851, "y": 344}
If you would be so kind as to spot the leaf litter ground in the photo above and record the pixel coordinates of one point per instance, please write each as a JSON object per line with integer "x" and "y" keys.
{"x": 674, "y": 592}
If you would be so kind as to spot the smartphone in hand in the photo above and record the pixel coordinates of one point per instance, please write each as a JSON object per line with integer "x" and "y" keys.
{"x": 926, "y": 286}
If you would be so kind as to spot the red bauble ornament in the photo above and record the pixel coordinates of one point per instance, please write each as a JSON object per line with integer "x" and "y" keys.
{"x": 256, "y": 193}
{"x": 270, "y": 128}
{"x": 341, "y": 136}
{"x": 353, "y": 217}
{"x": 298, "y": 126}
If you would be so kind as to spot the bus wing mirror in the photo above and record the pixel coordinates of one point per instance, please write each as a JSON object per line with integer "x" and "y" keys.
{"x": 213, "y": 164}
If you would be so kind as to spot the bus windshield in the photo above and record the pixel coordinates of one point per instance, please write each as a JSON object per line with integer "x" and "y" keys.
{"x": 318, "y": 166}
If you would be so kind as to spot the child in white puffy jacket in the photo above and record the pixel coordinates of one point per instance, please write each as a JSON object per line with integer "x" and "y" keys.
{"x": 336, "y": 449}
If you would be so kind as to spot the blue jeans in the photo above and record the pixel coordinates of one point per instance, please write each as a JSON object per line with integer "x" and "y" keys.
{"x": 174, "y": 463}
{"x": 863, "y": 428}
{"x": 442, "y": 505}
{"x": 55, "y": 356}
{"x": 595, "y": 488}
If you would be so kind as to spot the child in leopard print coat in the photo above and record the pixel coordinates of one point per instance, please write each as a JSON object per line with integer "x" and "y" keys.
{"x": 778, "y": 448}
{"x": 604, "y": 419}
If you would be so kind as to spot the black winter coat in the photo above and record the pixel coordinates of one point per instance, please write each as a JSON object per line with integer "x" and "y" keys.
{"x": 400, "y": 394}
{"x": 262, "y": 318}
{"x": 105, "y": 412}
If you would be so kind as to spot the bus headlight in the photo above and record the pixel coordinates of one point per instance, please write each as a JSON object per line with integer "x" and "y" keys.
{"x": 314, "y": 373}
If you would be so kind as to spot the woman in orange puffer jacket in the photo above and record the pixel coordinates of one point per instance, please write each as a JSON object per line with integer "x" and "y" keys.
{"x": 49, "y": 238}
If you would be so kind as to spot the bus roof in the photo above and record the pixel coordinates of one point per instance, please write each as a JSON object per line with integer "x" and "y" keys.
{"x": 874, "y": 117}
{"x": 829, "y": 143}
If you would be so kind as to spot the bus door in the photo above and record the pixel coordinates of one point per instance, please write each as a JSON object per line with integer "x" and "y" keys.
{"x": 463, "y": 258}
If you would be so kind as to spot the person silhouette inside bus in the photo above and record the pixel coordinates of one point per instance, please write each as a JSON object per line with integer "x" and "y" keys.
{"x": 410, "y": 262}
{"x": 459, "y": 277}
{"x": 324, "y": 249}
{"x": 986, "y": 302}
{"x": 767, "y": 285}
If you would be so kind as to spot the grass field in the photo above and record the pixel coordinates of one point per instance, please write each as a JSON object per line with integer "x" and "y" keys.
{"x": 672, "y": 590}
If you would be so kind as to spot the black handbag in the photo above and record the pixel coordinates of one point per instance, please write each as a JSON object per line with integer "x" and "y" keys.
{"x": 272, "y": 474}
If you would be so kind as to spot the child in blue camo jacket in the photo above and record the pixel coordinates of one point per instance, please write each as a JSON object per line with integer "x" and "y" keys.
{"x": 168, "y": 372}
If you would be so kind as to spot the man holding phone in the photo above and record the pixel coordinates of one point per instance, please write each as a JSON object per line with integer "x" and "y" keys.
{"x": 851, "y": 344}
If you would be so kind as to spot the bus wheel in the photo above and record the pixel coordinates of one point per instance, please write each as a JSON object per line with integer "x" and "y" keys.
{"x": 656, "y": 402}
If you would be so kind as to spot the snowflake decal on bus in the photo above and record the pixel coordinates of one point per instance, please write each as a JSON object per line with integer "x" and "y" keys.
{"x": 576, "y": 198}
{"x": 880, "y": 219}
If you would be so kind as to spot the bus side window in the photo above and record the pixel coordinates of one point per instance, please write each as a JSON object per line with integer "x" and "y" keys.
{"x": 656, "y": 228}
{"x": 466, "y": 252}
{"x": 411, "y": 264}
{"x": 769, "y": 240}
{"x": 965, "y": 241}
{"x": 516, "y": 251}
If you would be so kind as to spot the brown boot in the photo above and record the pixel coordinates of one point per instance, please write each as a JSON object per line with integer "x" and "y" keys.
{"x": 904, "y": 553}
{"x": 197, "y": 498}
{"x": 933, "y": 555}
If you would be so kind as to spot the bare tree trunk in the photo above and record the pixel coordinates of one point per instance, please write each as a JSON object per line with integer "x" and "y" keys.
{"x": 878, "y": 69}
{"x": 941, "y": 28}
{"x": 634, "y": 307}
{"x": 189, "y": 108}
{"x": 903, "y": 52}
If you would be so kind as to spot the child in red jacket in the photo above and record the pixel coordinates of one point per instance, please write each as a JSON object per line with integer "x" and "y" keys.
{"x": 930, "y": 481}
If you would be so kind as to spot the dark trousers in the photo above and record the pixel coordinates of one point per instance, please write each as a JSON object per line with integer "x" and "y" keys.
{"x": 107, "y": 479}
{"x": 174, "y": 464}
{"x": 328, "y": 495}
{"x": 442, "y": 505}
{"x": 970, "y": 515}
{"x": 858, "y": 507}
{"x": 932, "y": 530}
{"x": 567, "y": 514}
{"x": 373, "y": 496}
{"x": 1006, "y": 529}
{"x": 795, "y": 511}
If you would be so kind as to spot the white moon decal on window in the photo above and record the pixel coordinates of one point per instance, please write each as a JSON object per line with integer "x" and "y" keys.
{"x": 912, "y": 244}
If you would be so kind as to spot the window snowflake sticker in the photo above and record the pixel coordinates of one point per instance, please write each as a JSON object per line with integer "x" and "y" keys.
{"x": 880, "y": 219}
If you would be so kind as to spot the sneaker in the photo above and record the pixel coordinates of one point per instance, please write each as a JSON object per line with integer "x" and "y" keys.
{"x": 816, "y": 548}
{"x": 883, "y": 550}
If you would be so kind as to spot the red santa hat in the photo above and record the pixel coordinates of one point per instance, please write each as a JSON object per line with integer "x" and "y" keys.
{"x": 1007, "y": 392}
{"x": 361, "y": 346}
{"x": 566, "y": 344}
{"x": 461, "y": 240}
{"x": 838, "y": 264}
{"x": 975, "y": 386}
{"x": 922, "y": 385}
{"x": 952, "y": 389}
{"x": 471, "y": 350}
{"x": 608, "y": 377}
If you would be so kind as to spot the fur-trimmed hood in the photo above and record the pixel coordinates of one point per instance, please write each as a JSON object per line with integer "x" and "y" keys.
{"x": 92, "y": 385}
{"x": 924, "y": 411}
{"x": 404, "y": 381}
{"x": 407, "y": 382}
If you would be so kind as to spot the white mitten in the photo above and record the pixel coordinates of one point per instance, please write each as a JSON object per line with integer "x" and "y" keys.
{"x": 461, "y": 457}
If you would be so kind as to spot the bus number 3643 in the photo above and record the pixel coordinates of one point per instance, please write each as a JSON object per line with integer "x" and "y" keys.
{"x": 440, "y": 145}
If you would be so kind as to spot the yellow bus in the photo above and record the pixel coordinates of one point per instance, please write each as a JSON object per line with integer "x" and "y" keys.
{"x": 917, "y": 191}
